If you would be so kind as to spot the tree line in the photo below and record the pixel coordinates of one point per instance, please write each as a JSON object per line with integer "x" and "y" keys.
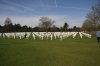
{"x": 46, "y": 25}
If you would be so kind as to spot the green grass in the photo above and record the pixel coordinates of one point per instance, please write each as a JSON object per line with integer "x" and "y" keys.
{"x": 68, "y": 52}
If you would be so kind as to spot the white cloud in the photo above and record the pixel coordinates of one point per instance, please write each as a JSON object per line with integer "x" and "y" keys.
{"x": 76, "y": 22}
{"x": 29, "y": 21}
{"x": 2, "y": 19}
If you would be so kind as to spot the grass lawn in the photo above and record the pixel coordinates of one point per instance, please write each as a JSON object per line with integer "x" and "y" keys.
{"x": 68, "y": 52}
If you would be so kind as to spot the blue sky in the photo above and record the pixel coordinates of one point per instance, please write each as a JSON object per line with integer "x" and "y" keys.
{"x": 28, "y": 12}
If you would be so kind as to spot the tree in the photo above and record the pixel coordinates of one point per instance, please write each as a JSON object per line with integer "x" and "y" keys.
{"x": 98, "y": 27}
{"x": 8, "y": 25}
{"x": 87, "y": 26}
{"x": 17, "y": 28}
{"x": 24, "y": 28}
{"x": 1, "y": 28}
{"x": 46, "y": 23}
{"x": 8, "y": 21}
{"x": 36, "y": 29}
{"x": 94, "y": 17}
{"x": 65, "y": 27}
{"x": 54, "y": 28}
{"x": 75, "y": 28}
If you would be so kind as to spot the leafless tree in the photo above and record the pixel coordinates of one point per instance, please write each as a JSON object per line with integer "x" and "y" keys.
{"x": 93, "y": 18}
{"x": 46, "y": 23}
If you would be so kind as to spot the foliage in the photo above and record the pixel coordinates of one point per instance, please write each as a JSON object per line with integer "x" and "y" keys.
{"x": 87, "y": 26}
{"x": 65, "y": 27}
{"x": 8, "y": 25}
{"x": 8, "y": 21}
{"x": 46, "y": 23}
{"x": 93, "y": 18}
{"x": 75, "y": 28}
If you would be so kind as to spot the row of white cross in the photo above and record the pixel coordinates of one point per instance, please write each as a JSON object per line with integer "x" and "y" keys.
{"x": 42, "y": 35}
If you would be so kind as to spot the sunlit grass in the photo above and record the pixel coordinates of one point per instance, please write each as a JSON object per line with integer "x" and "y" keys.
{"x": 68, "y": 52}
